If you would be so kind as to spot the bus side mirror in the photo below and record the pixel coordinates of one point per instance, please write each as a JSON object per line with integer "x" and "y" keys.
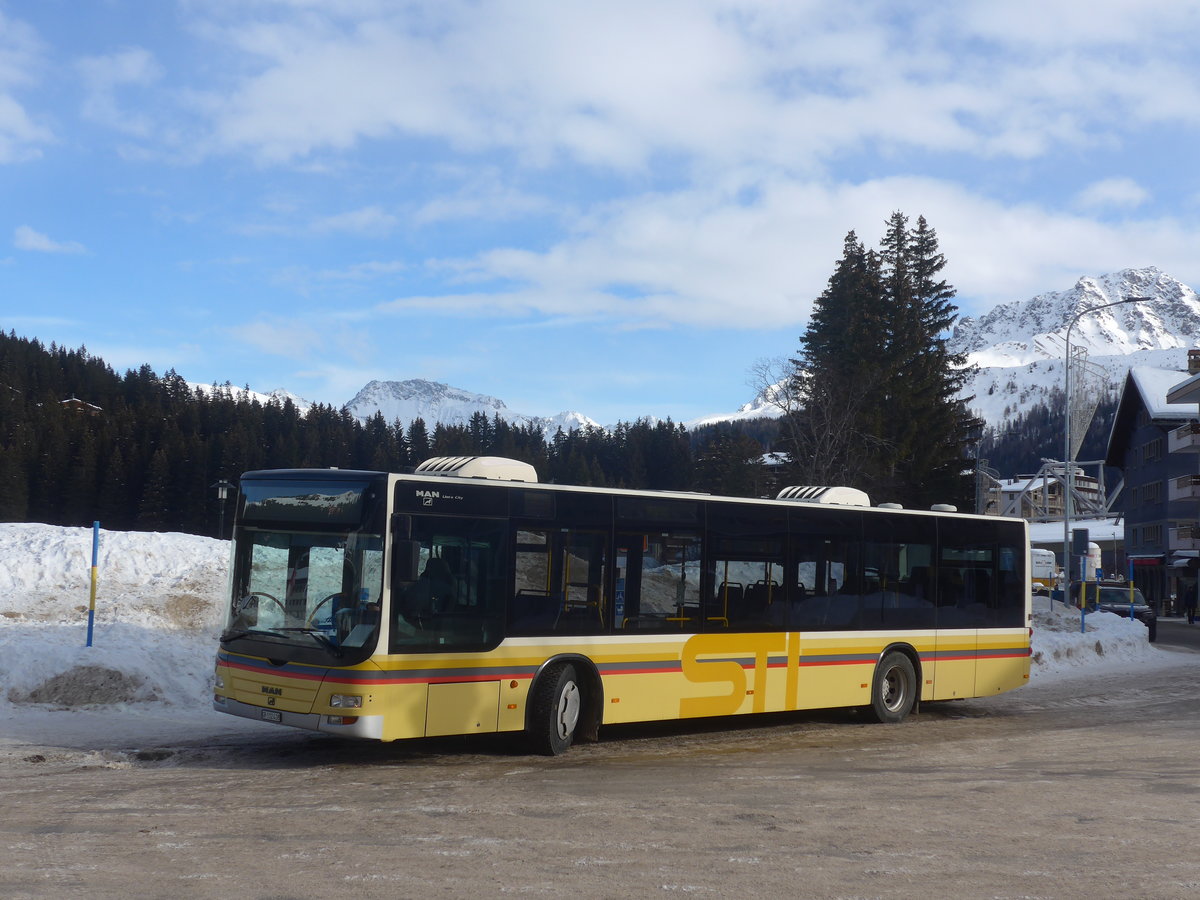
{"x": 406, "y": 559}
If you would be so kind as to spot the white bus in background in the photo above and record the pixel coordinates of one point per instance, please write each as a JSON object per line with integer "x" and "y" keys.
{"x": 1093, "y": 562}
{"x": 1042, "y": 570}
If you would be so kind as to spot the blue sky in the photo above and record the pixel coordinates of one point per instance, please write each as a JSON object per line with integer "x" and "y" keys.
{"x": 617, "y": 208}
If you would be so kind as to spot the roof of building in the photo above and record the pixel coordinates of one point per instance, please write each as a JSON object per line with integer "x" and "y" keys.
{"x": 1051, "y": 533}
{"x": 1154, "y": 385}
{"x": 1185, "y": 391}
{"x": 1145, "y": 388}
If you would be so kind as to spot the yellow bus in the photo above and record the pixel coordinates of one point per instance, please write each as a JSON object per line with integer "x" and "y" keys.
{"x": 467, "y": 598}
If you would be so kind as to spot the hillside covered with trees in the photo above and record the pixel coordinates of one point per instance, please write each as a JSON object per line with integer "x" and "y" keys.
{"x": 1019, "y": 447}
{"x": 140, "y": 451}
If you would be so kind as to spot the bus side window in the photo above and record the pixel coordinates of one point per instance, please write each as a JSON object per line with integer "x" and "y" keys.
{"x": 583, "y": 557}
{"x": 819, "y": 600}
{"x": 748, "y": 584}
{"x": 658, "y": 582}
{"x": 966, "y": 576}
{"x": 1009, "y": 598}
{"x": 534, "y": 606}
{"x": 561, "y": 583}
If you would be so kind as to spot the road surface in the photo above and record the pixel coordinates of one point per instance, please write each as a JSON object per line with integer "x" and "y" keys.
{"x": 1076, "y": 787}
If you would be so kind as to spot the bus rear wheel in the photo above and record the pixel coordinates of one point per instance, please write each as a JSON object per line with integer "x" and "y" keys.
{"x": 554, "y": 710}
{"x": 894, "y": 692}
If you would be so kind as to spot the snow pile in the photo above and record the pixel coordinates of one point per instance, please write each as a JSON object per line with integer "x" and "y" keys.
{"x": 1059, "y": 646}
{"x": 159, "y": 610}
{"x": 158, "y": 614}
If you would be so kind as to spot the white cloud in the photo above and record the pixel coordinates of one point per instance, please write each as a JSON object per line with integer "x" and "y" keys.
{"x": 21, "y": 59}
{"x": 481, "y": 195}
{"x": 367, "y": 220}
{"x": 711, "y": 258}
{"x": 320, "y": 343}
{"x": 25, "y": 238}
{"x": 711, "y": 82}
{"x": 104, "y": 76}
{"x": 1112, "y": 193}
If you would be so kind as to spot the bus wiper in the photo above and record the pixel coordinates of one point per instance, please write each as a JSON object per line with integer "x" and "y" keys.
{"x": 319, "y": 636}
{"x": 232, "y": 635}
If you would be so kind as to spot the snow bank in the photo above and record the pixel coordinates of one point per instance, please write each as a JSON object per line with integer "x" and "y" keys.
{"x": 1060, "y": 648}
{"x": 159, "y": 611}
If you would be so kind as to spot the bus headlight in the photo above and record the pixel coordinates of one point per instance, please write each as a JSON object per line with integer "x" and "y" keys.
{"x": 219, "y": 681}
{"x": 345, "y": 701}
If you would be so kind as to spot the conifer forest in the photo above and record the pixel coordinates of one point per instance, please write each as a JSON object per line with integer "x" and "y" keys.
{"x": 139, "y": 451}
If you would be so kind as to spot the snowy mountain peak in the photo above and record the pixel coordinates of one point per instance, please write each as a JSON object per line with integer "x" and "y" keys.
{"x": 429, "y": 400}
{"x": 1027, "y": 331}
{"x": 1019, "y": 347}
{"x": 279, "y": 395}
{"x": 434, "y": 402}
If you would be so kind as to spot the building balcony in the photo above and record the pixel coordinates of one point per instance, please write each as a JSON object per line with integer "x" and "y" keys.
{"x": 1185, "y": 537}
{"x": 1184, "y": 439}
{"x": 1186, "y": 487}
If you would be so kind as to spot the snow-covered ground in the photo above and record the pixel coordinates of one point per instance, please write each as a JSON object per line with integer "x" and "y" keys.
{"x": 159, "y": 611}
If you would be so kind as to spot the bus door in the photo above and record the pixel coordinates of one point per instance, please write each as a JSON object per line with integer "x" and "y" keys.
{"x": 964, "y": 578}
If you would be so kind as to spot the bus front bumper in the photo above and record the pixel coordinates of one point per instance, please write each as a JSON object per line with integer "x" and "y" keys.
{"x": 367, "y": 727}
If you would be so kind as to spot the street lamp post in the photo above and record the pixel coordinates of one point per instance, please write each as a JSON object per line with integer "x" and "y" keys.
{"x": 222, "y": 487}
{"x": 1068, "y": 453}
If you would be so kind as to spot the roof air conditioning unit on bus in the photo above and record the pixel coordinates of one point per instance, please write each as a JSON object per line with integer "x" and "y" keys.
{"x": 493, "y": 468}
{"x": 839, "y": 496}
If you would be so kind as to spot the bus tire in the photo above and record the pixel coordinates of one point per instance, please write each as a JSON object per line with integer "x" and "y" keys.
{"x": 894, "y": 690}
{"x": 554, "y": 710}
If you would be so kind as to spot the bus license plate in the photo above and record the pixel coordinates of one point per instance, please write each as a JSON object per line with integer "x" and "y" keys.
{"x": 271, "y": 715}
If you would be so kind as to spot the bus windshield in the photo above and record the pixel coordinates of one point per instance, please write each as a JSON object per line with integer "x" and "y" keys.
{"x": 306, "y": 594}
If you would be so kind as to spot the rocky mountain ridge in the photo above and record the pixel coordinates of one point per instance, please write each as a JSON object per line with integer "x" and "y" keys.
{"x": 1019, "y": 347}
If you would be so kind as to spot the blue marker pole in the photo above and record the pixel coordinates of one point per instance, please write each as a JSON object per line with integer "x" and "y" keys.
{"x": 1082, "y": 594}
{"x": 1131, "y": 590}
{"x": 92, "y": 600}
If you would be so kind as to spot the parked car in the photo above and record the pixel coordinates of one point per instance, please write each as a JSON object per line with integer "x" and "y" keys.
{"x": 1114, "y": 598}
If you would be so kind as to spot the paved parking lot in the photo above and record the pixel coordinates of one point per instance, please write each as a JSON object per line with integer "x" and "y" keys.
{"x": 1071, "y": 788}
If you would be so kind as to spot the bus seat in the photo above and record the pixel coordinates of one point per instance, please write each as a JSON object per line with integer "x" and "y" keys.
{"x": 532, "y": 611}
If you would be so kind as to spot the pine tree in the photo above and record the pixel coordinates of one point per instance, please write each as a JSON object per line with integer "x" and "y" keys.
{"x": 931, "y": 441}
{"x": 837, "y": 375}
{"x": 877, "y": 385}
{"x": 418, "y": 441}
{"x": 730, "y": 463}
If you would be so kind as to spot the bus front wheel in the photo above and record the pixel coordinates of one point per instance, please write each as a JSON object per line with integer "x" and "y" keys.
{"x": 894, "y": 692}
{"x": 554, "y": 711}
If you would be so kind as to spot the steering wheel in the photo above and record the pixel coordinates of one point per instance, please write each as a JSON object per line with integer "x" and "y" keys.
{"x": 312, "y": 616}
{"x": 257, "y": 594}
